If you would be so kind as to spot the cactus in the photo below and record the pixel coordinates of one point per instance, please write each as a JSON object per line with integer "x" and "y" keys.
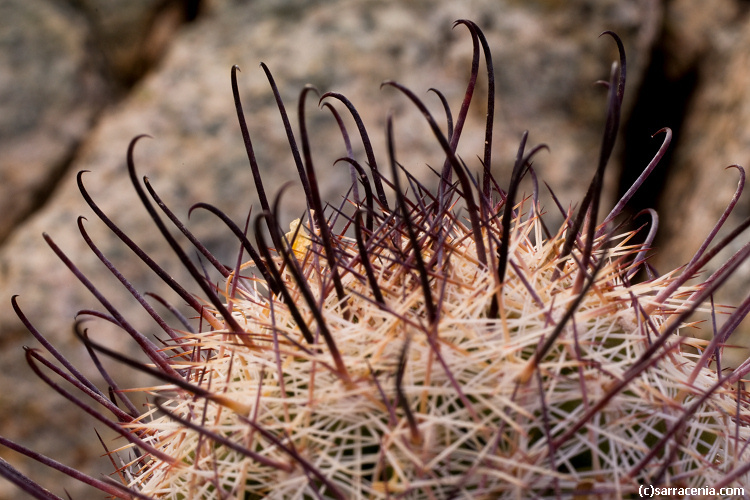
{"x": 442, "y": 344}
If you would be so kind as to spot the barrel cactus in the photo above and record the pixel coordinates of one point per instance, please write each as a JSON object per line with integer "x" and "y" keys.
{"x": 447, "y": 343}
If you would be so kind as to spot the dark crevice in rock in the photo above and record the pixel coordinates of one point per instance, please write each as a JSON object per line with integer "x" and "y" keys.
{"x": 662, "y": 101}
{"x": 117, "y": 83}
{"x": 127, "y": 52}
{"x": 192, "y": 9}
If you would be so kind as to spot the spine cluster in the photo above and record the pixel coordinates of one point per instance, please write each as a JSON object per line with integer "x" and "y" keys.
{"x": 443, "y": 343}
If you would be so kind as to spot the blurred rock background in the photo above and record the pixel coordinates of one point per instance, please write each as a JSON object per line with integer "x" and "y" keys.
{"x": 80, "y": 78}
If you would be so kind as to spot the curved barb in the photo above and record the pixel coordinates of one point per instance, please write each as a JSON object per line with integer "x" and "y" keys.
{"x": 348, "y": 147}
{"x": 590, "y": 206}
{"x": 290, "y": 261}
{"x": 646, "y": 245}
{"x": 315, "y": 203}
{"x": 174, "y": 379}
{"x": 23, "y": 483}
{"x": 447, "y": 109}
{"x": 146, "y": 345}
{"x": 200, "y": 280}
{"x": 32, "y": 357}
{"x": 620, "y": 205}
{"x": 424, "y": 278}
{"x": 189, "y": 235}
{"x": 125, "y": 283}
{"x": 158, "y": 270}
{"x": 289, "y": 133}
{"x": 249, "y": 248}
{"x": 456, "y": 135}
{"x": 257, "y": 178}
{"x": 368, "y": 190}
{"x": 308, "y": 173}
{"x": 724, "y": 215}
{"x": 50, "y": 348}
{"x": 490, "y": 120}
{"x": 690, "y": 271}
{"x": 623, "y": 63}
{"x": 519, "y": 169}
{"x": 372, "y": 163}
{"x": 37, "y": 492}
{"x": 466, "y": 186}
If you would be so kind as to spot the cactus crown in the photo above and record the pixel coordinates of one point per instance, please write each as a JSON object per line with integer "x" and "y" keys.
{"x": 441, "y": 344}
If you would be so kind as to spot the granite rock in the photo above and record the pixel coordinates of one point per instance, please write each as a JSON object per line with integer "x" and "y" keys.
{"x": 714, "y": 136}
{"x": 50, "y": 94}
{"x": 546, "y": 55}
